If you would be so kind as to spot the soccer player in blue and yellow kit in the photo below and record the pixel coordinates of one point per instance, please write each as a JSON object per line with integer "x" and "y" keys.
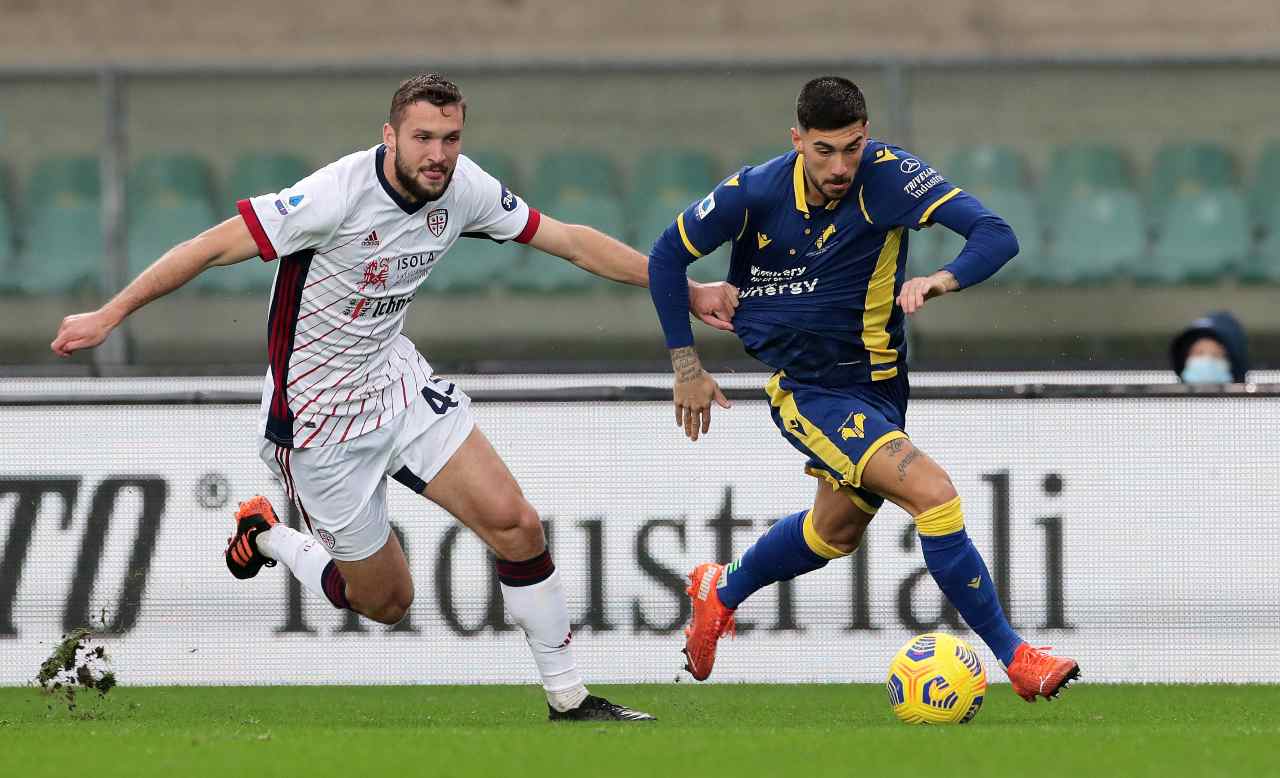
{"x": 819, "y": 257}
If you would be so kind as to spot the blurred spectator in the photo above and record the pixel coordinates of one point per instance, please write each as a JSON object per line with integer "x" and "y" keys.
{"x": 1212, "y": 350}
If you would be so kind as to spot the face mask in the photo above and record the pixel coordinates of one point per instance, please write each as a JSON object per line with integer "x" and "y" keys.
{"x": 1207, "y": 370}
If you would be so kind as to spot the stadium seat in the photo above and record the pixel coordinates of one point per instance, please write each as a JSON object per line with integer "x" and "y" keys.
{"x": 1263, "y": 265}
{"x": 500, "y": 166}
{"x": 670, "y": 176}
{"x": 66, "y": 181}
{"x": 1206, "y": 235}
{"x": 1079, "y": 170}
{"x": 1263, "y": 194}
{"x": 8, "y": 248}
{"x": 155, "y": 229}
{"x": 63, "y": 250}
{"x": 170, "y": 178}
{"x": 983, "y": 168}
{"x": 474, "y": 265}
{"x": 1018, "y": 208}
{"x": 1186, "y": 168}
{"x": 573, "y": 176}
{"x": 1102, "y": 236}
{"x": 657, "y": 217}
{"x": 262, "y": 173}
{"x": 931, "y": 248}
{"x": 550, "y": 274}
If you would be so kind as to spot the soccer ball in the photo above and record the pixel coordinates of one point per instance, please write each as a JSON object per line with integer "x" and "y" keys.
{"x": 936, "y": 679}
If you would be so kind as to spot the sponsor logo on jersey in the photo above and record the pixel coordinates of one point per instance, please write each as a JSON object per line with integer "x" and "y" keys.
{"x": 909, "y": 165}
{"x": 296, "y": 200}
{"x": 414, "y": 267}
{"x": 437, "y": 221}
{"x": 375, "y": 307}
{"x": 371, "y": 242}
{"x": 705, "y": 207}
{"x": 826, "y": 235}
{"x": 854, "y": 426}
{"x": 280, "y": 207}
{"x": 923, "y": 181}
{"x": 509, "y": 200}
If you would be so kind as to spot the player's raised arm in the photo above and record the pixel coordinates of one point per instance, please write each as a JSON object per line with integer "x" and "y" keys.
{"x": 698, "y": 230}
{"x": 225, "y": 244}
{"x": 916, "y": 196}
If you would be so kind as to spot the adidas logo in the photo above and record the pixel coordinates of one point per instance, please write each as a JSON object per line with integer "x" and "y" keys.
{"x": 370, "y": 242}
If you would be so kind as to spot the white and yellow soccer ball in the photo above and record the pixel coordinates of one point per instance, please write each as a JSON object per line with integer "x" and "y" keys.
{"x": 936, "y": 679}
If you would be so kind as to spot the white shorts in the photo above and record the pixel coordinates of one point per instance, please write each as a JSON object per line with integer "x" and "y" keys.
{"x": 341, "y": 490}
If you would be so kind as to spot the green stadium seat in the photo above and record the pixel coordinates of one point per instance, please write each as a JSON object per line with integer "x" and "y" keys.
{"x": 1101, "y": 237}
{"x": 670, "y": 176}
{"x": 1183, "y": 169}
{"x": 931, "y": 248}
{"x": 262, "y": 173}
{"x": 980, "y": 169}
{"x": 169, "y": 179}
{"x": 1018, "y": 208}
{"x": 657, "y": 217}
{"x": 8, "y": 248}
{"x": 1263, "y": 265}
{"x": 500, "y": 166}
{"x": 161, "y": 225}
{"x": 573, "y": 176}
{"x": 473, "y": 266}
{"x": 63, "y": 249}
{"x": 1206, "y": 236}
{"x": 1263, "y": 194}
{"x": 1080, "y": 169}
{"x": 550, "y": 274}
{"x": 64, "y": 181}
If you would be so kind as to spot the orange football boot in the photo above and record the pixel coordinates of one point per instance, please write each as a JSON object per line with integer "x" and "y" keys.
{"x": 711, "y": 620}
{"x": 1034, "y": 672}
{"x": 244, "y": 560}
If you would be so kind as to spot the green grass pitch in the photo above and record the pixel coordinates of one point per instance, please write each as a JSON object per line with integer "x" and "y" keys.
{"x": 714, "y": 730}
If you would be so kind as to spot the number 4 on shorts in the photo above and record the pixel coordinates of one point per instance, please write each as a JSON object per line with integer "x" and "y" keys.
{"x": 440, "y": 403}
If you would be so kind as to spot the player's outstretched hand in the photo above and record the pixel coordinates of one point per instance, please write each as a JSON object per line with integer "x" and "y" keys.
{"x": 693, "y": 400}
{"x": 917, "y": 290}
{"x": 81, "y": 331}
{"x": 714, "y": 304}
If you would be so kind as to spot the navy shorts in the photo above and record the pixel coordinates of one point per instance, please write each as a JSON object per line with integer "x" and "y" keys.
{"x": 839, "y": 429}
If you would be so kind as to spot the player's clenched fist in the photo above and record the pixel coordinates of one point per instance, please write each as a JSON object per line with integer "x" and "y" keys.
{"x": 81, "y": 331}
{"x": 714, "y": 303}
{"x": 917, "y": 290}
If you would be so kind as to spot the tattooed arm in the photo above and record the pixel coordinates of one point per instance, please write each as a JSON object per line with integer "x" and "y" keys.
{"x": 694, "y": 392}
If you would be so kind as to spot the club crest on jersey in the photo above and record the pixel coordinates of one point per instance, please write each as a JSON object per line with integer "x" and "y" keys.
{"x": 508, "y": 199}
{"x": 437, "y": 221}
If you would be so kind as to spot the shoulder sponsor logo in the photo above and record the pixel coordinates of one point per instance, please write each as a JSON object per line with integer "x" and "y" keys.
{"x": 922, "y": 182}
{"x": 437, "y": 221}
{"x": 296, "y": 200}
{"x": 705, "y": 207}
{"x": 280, "y": 207}
{"x": 509, "y": 199}
{"x": 762, "y": 240}
{"x": 909, "y": 166}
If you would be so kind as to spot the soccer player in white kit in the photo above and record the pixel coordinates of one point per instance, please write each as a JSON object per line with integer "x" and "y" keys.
{"x": 348, "y": 400}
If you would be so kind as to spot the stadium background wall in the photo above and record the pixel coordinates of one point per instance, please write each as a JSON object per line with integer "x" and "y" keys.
{"x": 1137, "y": 533}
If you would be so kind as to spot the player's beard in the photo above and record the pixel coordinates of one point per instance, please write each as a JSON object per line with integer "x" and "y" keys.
{"x": 408, "y": 179}
{"x": 822, "y": 188}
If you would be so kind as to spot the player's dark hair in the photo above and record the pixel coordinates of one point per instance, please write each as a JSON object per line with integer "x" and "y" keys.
{"x": 426, "y": 87}
{"x": 829, "y": 103}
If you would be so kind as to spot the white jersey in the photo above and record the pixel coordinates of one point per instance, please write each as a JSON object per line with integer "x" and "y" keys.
{"x": 352, "y": 255}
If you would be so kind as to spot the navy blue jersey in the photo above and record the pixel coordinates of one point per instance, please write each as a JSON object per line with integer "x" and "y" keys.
{"x": 818, "y": 284}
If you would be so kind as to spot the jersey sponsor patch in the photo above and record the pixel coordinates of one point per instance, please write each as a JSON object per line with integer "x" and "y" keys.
{"x": 296, "y": 200}
{"x": 705, "y": 207}
{"x": 909, "y": 165}
{"x": 509, "y": 201}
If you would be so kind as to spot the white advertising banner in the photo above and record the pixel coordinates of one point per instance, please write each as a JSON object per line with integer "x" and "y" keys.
{"x": 1140, "y": 536}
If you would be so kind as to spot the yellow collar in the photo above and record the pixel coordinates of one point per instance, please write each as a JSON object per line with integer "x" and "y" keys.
{"x": 797, "y": 180}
